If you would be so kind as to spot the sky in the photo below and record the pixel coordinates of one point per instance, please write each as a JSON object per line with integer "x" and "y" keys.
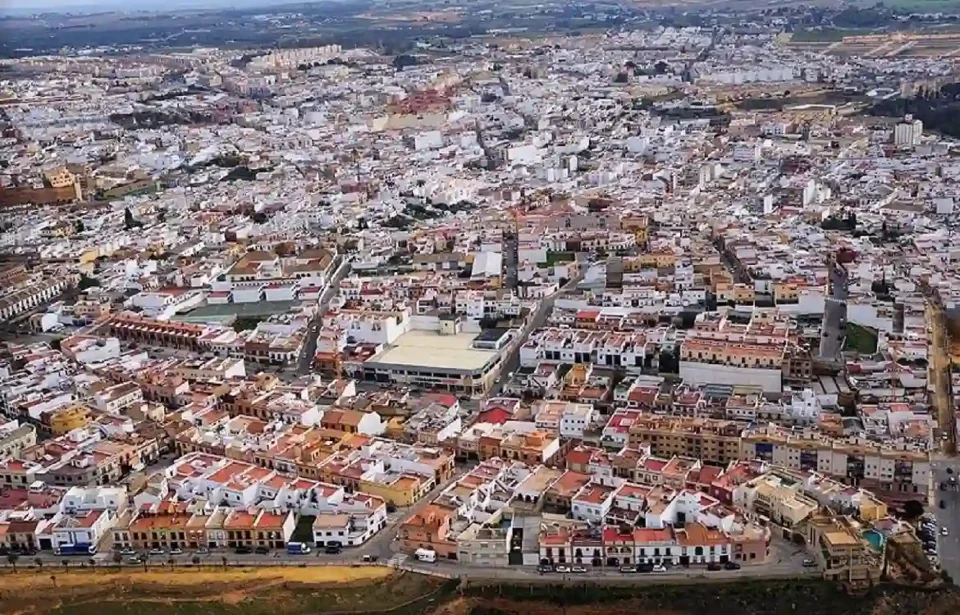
{"x": 87, "y": 6}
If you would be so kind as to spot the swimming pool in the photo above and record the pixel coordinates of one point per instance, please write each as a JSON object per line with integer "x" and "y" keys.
{"x": 875, "y": 539}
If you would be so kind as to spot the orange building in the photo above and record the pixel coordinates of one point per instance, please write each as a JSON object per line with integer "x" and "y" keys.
{"x": 430, "y": 529}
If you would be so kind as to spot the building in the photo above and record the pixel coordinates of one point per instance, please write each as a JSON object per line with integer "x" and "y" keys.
{"x": 841, "y": 551}
{"x": 712, "y": 440}
{"x": 15, "y": 437}
{"x": 894, "y": 471}
{"x": 908, "y": 133}
{"x": 430, "y": 529}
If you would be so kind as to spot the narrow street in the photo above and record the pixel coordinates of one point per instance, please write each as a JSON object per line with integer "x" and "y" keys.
{"x": 512, "y": 361}
{"x": 939, "y": 376}
{"x": 305, "y": 360}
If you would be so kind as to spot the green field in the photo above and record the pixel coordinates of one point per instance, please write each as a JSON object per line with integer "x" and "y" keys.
{"x": 860, "y": 339}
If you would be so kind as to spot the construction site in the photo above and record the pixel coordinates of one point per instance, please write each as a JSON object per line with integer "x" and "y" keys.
{"x": 896, "y": 45}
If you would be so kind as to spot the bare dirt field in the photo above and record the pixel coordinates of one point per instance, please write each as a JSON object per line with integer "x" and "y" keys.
{"x": 253, "y": 591}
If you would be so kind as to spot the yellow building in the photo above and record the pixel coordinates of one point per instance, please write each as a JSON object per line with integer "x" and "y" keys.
{"x": 403, "y": 490}
{"x": 659, "y": 260}
{"x": 639, "y": 225}
{"x": 67, "y": 419}
{"x": 785, "y": 292}
{"x": 735, "y": 293}
{"x": 841, "y": 551}
{"x": 779, "y": 498}
{"x": 872, "y": 509}
{"x": 58, "y": 178}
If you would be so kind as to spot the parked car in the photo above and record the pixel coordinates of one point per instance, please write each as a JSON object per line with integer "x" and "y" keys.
{"x": 203, "y": 551}
{"x": 732, "y": 566}
{"x": 809, "y": 563}
{"x": 157, "y": 551}
{"x": 644, "y": 568}
{"x": 714, "y": 566}
{"x": 243, "y": 551}
{"x": 943, "y": 504}
{"x": 944, "y": 531}
{"x": 334, "y": 550}
{"x": 134, "y": 559}
{"x": 261, "y": 550}
{"x": 370, "y": 558}
{"x": 542, "y": 568}
{"x": 659, "y": 568}
{"x": 563, "y": 569}
{"x": 578, "y": 569}
{"x": 176, "y": 551}
{"x": 127, "y": 551}
{"x": 627, "y": 569}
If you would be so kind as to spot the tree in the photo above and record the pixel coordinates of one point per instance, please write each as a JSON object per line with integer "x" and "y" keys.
{"x": 285, "y": 248}
{"x": 12, "y": 558}
{"x": 146, "y": 556}
{"x": 912, "y": 509}
{"x": 117, "y": 558}
{"x": 79, "y": 227}
{"x": 38, "y": 562}
{"x": 92, "y": 562}
{"x": 53, "y": 579}
{"x": 87, "y": 282}
{"x": 196, "y": 560}
{"x": 224, "y": 560}
{"x": 64, "y": 563}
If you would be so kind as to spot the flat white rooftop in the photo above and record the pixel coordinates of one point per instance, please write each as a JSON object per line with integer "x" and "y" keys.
{"x": 427, "y": 349}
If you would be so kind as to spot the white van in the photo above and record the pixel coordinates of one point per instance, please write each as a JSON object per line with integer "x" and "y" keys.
{"x": 426, "y": 555}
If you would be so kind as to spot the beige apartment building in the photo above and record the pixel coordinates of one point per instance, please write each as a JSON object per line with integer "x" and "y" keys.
{"x": 893, "y": 471}
{"x": 713, "y": 441}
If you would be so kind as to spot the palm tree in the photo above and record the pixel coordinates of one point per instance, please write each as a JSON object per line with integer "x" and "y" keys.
{"x": 12, "y": 558}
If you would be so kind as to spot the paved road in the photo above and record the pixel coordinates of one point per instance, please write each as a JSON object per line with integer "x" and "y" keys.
{"x": 529, "y": 573}
{"x": 939, "y": 375}
{"x": 510, "y": 258}
{"x": 949, "y": 516}
{"x": 834, "y": 315}
{"x": 447, "y": 569}
{"x": 305, "y": 360}
{"x": 384, "y": 544}
{"x": 785, "y": 561}
{"x": 539, "y": 319}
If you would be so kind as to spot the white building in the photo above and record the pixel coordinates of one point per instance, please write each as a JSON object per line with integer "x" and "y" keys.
{"x": 908, "y": 132}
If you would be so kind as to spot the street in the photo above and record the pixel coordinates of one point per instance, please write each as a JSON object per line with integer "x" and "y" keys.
{"x": 512, "y": 361}
{"x": 942, "y": 470}
{"x": 305, "y": 360}
{"x": 785, "y": 561}
{"x": 834, "y": 315}
{"x": 939, "y": 375}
